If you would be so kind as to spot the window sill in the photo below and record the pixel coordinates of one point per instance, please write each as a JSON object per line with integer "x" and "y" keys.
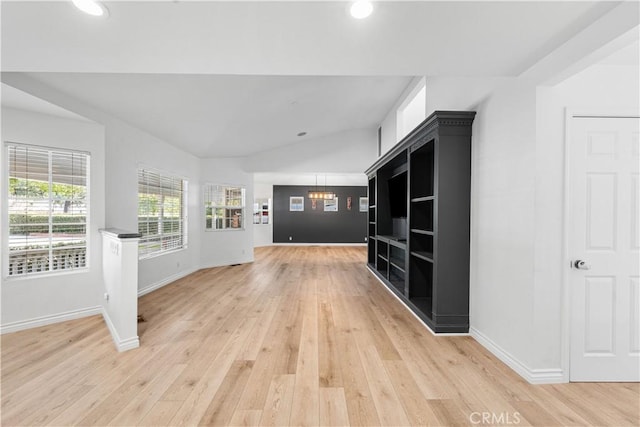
{"x": 159, "y": 254}
{"x": 45, "y": 274}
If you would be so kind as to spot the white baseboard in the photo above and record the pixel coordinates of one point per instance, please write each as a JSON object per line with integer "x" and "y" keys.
{"x": 533, "y": 376}
{"x": 157, "y": 285}
{"x": 48, "y": 320}
{"x": 121, "y": 345}
{"x": 228, "y": 263}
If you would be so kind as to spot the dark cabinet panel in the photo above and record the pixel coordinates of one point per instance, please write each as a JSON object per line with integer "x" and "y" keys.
{"x": 421, "y": 203}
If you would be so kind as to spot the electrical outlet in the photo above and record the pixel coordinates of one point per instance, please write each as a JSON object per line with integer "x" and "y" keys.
{"x": 106, "y": 296}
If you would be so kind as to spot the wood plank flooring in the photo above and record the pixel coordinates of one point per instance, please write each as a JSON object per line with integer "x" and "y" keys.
{"x": 302, "y": 336}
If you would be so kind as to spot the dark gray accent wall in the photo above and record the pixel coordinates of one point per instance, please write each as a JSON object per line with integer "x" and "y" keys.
{"x": 318, "y": 226}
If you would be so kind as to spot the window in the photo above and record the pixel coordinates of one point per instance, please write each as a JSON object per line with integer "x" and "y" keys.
{"x": 412, "y": 111}
{"x": 48, "y": 209}
{"x": 161, "y": 213}
{"x": 261, "y": 208}
{"x": 224, "y": 207}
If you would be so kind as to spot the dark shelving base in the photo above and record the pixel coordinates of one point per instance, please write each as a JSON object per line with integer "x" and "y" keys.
{"x": 439, "y": 328}
{"x": 424, "y": 305}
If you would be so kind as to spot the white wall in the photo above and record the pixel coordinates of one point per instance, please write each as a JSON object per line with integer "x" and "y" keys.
{"x": 503, "y": 221}
{"x": 120, "y": 275}
{"x": 516, "y": 289}
{"x": 502, "y": 201}
{"x": 32, "y": 301}
{"x": 601, "y": 89}
{"x": 412, "y": 111}
{"x": 459, "y": 93}
{"x": 118, "y": 149}
{"x": 263, "y": 188}
{"x": 340, "y": 158}
{"x": 263, "y": 233}
{"x": 391, "y": 132}
{"x": 227, "y": 247}
{"x": 128, "y": 148}
{"x": 345, "y": 152}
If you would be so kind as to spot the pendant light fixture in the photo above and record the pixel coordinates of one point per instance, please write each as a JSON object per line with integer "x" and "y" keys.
{"x": 324, "y": 194}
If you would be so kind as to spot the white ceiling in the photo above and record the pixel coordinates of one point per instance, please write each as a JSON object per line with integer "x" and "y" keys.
{"x": 223, "y": 116}
{"x": 473, "y": 38}
{"x": 236, "y": 78}
{"x": 23, "y": 101}
{"x": 628, "y": 56}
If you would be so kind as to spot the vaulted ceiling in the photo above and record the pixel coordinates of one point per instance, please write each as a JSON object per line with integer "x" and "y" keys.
{"x": 236, "y": 78}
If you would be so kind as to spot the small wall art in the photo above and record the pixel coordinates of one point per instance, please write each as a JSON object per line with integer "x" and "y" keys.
{"x": 296, "y": 204}
{"x": 364, "y": 204}
{"x": 349, "y": 203}
{"x": 331, "y": 205}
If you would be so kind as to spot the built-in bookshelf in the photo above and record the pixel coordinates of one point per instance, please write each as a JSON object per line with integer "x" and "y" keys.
{"x": 419, "y": 195}
{"x": 371, "y": 234}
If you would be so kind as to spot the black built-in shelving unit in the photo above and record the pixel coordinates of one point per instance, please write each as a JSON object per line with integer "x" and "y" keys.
{"x": 418, "y": 240}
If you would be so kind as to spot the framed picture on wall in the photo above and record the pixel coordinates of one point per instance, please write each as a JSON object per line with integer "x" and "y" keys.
{"x": 296, "y": 204}
{"x": 364, "y": 204}
{"x": 349, "y": 203}
{"x": 331, "y": 205}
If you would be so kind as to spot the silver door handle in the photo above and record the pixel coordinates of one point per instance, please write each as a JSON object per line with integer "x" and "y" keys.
{"x": 581, "y": 265}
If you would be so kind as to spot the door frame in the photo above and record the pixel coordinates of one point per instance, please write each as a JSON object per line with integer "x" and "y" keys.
{"x": 570, "y": 115}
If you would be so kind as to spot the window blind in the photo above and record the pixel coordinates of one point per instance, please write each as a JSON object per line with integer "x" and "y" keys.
{"x": 48, "y": 209}
{"x": 161, "y": 212}
{"x": 224, "y": 207}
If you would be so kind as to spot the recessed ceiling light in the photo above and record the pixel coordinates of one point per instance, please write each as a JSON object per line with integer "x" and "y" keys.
{"x": 302, "y": 134}
{"x": 91, "y": 7}
{"x": 361, "y": 9}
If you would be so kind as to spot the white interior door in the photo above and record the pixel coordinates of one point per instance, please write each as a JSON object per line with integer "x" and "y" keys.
{"x": 604, "y": 232}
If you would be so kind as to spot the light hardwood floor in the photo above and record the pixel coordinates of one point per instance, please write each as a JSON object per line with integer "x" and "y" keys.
{"x": 302, "y": 336}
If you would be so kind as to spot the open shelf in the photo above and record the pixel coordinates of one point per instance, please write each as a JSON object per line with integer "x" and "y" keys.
{"x": 382, "y": 266}
{"x": 421, "y": 284}
{"x": 422, "y": 243}
{"x": 372, "y": 192}
{"x": 422, "y": 171}
{"x": 396, "y": 278}
{"x": 425, "y": 256}
{"x": 422, "y": 216}
{"x": 425, "y": 232}
{"x": 397, "y": 257}
{"x": 425, "y": 305}
{"x": 372, "y": 214}
{"x": 421, "y": 199}
{"x": 397, "y": 263}
{"x": 371, "y": 251}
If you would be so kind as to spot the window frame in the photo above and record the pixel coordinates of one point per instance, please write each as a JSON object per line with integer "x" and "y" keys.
{"x": 208, "y": 191}
{"x": 183, "y": 221}
{"x": 6, "y": 217}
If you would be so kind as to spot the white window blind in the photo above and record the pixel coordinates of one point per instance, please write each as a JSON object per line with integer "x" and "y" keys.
{"x": 224, "y": 207}
{"x": 48, "y": 209}
{"x": 161, "y": 212}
